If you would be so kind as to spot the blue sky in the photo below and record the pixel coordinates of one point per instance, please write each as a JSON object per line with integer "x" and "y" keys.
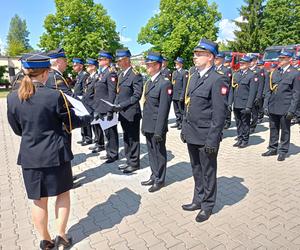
{"x": 133, "y": 14}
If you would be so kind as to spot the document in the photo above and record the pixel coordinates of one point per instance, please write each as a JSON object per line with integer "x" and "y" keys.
{"x": 78, "y": 106}
{"x": 108, "y": 103}
{"x": 105, "y": 124}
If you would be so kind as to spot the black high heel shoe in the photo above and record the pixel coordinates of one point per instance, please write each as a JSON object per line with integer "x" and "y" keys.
{"x": 46, "y": 245}
{"x": 60, "y": 241}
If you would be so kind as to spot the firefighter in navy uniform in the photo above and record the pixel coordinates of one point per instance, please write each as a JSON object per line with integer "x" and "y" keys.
{"x": 157, "y": 101}
{"x": 88, "y": 101}
{"x": 219, "y": 66}
{"x": 78, "y": 65}
{"x": 38, "y": 115}
{"x": 262, "y": 92}
{"x": 280, "y": 104}
{"x": 242, "y": 95}
{"x": 129, "y": 93}
{"x": 205, "y": 112}
{"x": 179, "y": 80}
{"x": 226, "y": 64}
{"x": 59, "y": 64}
{"x": 165, "y": 71}
{"x": 105, "y": 89}
{"x": 257, "y": 105}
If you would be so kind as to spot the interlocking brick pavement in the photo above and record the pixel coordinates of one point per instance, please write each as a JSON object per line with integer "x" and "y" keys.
{"x": 258, "y": 202}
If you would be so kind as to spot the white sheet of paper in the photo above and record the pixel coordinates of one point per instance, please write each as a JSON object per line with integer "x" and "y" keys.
{"x": 108, "y": 103}
{"x": 107, "y": 124}
{"x": 79, "y": 108}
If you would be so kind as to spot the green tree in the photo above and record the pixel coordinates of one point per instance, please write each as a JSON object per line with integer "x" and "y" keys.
{"x": 179, "y": 26}
{"x": 17, "y": 37}
{"x": 249, "y": 32}
{"x": 281, "y": 23}
{"x": 81, "y": 27}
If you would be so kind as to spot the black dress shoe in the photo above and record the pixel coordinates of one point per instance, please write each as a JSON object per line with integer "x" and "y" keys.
{"x": 227, "y": 126}
{"x": 238, "y": 143}
{"x": 179, "y": 127}
{"x": 243, "y": 145}
{"x": 130, "y": 169}
{"x": 93, "y": 147}
{"x": 155, "y": 187}
{"x": 60, "y": 241}
{"x": 269, "y": 153}
{"x": 203, "y": 215}
{"x": 174, "y": 126}
{"x": 98, "y": 149}
{"x": 80, "y": 142}
{"x": 148, "y": 182}
{"x": 46, "y": 245}
{"x": 122, "y": 167}
{"x": 111, "y": 160}
{"x": 86, "y": 143}
{"x": 191, "y": 207}
{"x": 281, "y": 157}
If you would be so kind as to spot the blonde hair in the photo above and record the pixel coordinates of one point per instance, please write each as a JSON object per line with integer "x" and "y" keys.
{"x": 27, "y": 88}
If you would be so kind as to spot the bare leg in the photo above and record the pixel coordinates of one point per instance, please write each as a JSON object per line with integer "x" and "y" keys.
{"x": 40, "y": 217}
{"x": 62, "y": 211}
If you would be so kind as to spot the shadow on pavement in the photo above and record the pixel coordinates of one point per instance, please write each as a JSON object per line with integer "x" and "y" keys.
{"x": 231, "y": 190}
{"x": 106, "y": 215}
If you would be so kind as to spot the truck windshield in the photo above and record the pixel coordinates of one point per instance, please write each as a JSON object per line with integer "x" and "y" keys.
{"x": 271, "y": 55}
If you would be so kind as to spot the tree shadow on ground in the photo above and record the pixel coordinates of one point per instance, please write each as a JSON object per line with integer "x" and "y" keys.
{"x": 106, "y": 215}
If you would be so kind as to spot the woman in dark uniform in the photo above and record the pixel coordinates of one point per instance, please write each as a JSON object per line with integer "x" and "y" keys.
{"x": 40, "y": 116}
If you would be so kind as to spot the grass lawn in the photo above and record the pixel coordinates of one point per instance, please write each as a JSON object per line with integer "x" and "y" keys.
{"x": 3, "y": 93}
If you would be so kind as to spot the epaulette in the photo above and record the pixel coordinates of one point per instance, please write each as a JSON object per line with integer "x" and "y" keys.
{"x": 135, "y": 71}
{"x": 220, "y": 72}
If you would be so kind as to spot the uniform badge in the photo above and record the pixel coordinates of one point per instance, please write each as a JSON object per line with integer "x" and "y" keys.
{"x": 229, "y": 74}
{"x": 169, "y": 91}
{"x": 224, "y": 90}
{"x": 113, "y": 79}
{"x": 255, "y": 79}
{"x": 262, "y": 74}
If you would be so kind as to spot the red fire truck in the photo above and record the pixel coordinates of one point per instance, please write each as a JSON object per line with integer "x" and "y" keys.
{"x": 235, "y": 61}
{"x": 271, "y": 53}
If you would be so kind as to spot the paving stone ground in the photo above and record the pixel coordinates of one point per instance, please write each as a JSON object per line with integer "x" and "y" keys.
{"x": 258, "y": 201}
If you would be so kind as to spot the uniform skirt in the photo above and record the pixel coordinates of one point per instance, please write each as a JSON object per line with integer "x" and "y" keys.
{"x": 46, "y": 182}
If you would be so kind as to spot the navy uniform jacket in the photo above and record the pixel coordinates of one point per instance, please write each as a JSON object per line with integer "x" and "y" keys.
{"x": 129, "y": 93}
{"x": 105, "y": 88}
{"x": 39, "y": 121}
{"x": 166, "y": 73}
{"x": 261, "y": 82}
{"x": 226, "y": 71}
{"x": 243, "y": 95}
{"x": 57, "y": 81}
{"x": 179, "y": 80}
{"x": 89, "y": 92}
{"x": 158, "y": 97}
{"x": 286, "y": 93}
{"x": 79, "y": 84}
{"x": 205, "y": 115}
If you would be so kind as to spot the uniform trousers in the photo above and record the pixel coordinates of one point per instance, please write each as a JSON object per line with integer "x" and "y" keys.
{"x": 279, "y": 123}
{"x": 242, "y": 124}
{"x": 131, "y": 137}
{"x": 157, "y": 154}
{"x": 204, "y": 168}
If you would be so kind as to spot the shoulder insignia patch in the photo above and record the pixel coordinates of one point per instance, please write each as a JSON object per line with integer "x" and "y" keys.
{"x": 224, "y": 90}
{"x": 170, "y": 90}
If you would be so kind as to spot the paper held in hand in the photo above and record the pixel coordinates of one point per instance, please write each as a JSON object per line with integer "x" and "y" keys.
{"x": 105, "y": 124}
{"x": 78, "y": 106}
